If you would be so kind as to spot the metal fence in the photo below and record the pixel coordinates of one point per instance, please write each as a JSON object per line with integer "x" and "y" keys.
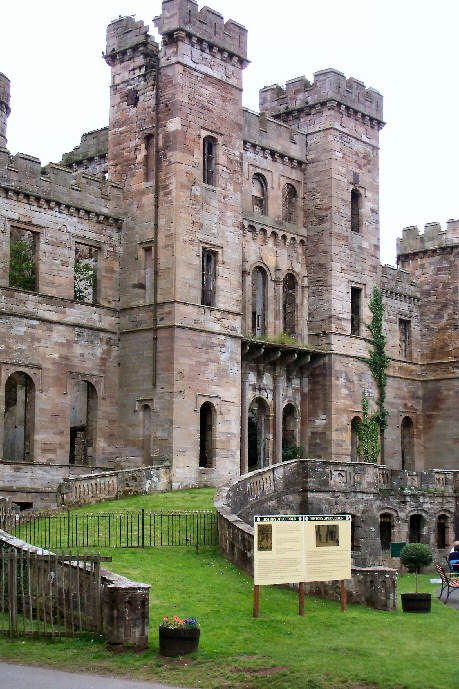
{"x": 47, "y": 594}
{"x": 130, "y": 529}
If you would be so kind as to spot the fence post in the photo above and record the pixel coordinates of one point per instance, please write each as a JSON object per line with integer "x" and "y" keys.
{"x": 12, "y": 574}
{"x": 68, "y": 529}
{"x": 197, "y": 531}
{"x": 143, "y": 528}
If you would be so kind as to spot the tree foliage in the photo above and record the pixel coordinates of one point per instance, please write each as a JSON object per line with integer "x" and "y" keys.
{"x": 415, "y": 556}
{"x": 22, "y": 266}
{"x": 84, "y": 281}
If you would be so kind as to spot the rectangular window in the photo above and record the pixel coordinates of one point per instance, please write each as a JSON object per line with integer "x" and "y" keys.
{"x": 85, "y": 273}
{"x": 209, "y": 154}
{"x": 208, "y": 277}
{"x": 356, "y": 294}
{"x": 404, "y": 331}
{"x": 23, "y": 259}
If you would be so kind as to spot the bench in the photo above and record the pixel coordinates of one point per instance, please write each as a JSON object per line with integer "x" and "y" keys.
{"x": 449, "y": 581}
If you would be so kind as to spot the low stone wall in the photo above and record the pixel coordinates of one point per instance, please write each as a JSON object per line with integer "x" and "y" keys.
{"x": 111, "y": 485}
{"x": 372, "y": 586}
{"x": 125, "y": 603}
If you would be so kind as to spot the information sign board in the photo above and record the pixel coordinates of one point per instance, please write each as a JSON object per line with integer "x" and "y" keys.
{"x": 396, "y": 549}
{"x": 301, "y": 548}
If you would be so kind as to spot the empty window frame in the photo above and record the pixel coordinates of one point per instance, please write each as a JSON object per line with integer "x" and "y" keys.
{"x": 209, "y": 160}
{"x": 356, "y": 298}
{"x": 289, "y": 203}
{"x": 83, "y": 424}
{"x": 355, "y": 210}
{"x": 207, "y": 435}
{"x": 404, "y": 331}
{"x": 208, "y": 280}
{"x": 385, "y": 530}
{"x": 407, "y": 444}
{"x": 85, "y": 273}
{"x": 23, "y": 259}
{"x": 259, "y": 194}
{"x": 259, "y": 284}
{"x": 289, "y": 305}
{"x": 415, "y": 528}
{"x": 19, "y": 418}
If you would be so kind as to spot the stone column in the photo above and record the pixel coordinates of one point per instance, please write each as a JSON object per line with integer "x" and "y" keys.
{"x": 303, "y": 324}
{"x": 277, "y": 454}
{"x": 278, "y": 303}
{"x": 244, "y": 464}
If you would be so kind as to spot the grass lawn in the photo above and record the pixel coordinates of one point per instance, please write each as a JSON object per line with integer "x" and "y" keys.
{"x": 326, "y": 649}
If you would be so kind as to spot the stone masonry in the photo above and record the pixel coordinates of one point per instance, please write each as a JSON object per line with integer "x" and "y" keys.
{"x": 191, "y": 284}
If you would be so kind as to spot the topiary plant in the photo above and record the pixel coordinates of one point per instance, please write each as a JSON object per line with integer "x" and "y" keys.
{"x": 415, "y": 556}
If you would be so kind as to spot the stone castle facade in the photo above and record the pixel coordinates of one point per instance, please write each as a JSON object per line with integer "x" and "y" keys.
{"x": 191, "y": 284}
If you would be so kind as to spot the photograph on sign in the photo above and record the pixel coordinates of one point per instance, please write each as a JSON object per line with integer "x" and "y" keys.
{"x": 327, "y": 535}
{"x": 327, "y": 547}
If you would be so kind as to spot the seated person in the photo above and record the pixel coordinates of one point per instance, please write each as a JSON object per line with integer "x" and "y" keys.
{"x": 454, "y": 559}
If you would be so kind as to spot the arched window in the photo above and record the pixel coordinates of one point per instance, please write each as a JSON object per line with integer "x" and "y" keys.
{"x": 407, "y": 444}
{"x": 83, "y": 424}
{"x": 442, "y": 523}
{"x": 289, "y": 428}
{"x": 385, "y": 530}
{"x": 258, "y": 435}
{"x": 289, "y": 304}
{"x": 146, "y": 434}
{"x": 355, "y": 210}
{"x": 207, "y": 435}
{"x": 415, "y": 528}
{"x": 259, "y": 194}
{"x": 289, "y": 203}
{"x": 355, "y": 424}
{"x": 19, "y": 418}
{"x": 259, "y": 283}
{"x": 209, "y": 160}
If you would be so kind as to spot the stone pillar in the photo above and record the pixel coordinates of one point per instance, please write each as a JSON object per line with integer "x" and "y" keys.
{"x": 278, "y": 324}
{"x": 244, "y": 422}
{"x": 4, "y": 107}
{"x": 304, "y": 390}
{"x": 277, "y": 454}
{"x": 126, "y": 614}
{"x": 303, "y": 324}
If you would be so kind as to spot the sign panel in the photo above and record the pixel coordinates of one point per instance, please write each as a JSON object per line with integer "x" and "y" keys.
{"x": 295, "y": 548}
{"x": 396, "y": 549}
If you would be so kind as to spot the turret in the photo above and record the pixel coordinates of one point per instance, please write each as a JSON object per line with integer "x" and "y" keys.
{"x": 4, "y": 107}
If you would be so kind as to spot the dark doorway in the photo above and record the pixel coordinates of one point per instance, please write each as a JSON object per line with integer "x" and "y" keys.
{"x": 258, "y": 436}
{"x": 415, "y": 528}
{"x": 407, "y": 444}
{"x": 19, "y": 418}
{"x": 385, "y": 530}
{"x": 206, "y": 435}
{"x": 83, "y": 424}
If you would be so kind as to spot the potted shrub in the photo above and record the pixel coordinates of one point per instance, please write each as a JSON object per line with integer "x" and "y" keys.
{"x": 415, "y": 556}
{"x": 178, "y": 637}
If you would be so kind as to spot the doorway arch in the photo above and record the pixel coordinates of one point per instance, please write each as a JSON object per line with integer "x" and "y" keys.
{"x": 258, "y": 435}
{"x": 19, "y": 418}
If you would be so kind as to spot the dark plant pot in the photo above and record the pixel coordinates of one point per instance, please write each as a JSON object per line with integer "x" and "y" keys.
{"x": 178, "y": 642}
{"x": 416, "y": 602}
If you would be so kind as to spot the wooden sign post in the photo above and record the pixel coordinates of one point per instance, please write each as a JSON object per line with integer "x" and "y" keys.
{"x": 256, "y": 600}
{"x": 343, "y": 596}
{"x": 301, "y": 599}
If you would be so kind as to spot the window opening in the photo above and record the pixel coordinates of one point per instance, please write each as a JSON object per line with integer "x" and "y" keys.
{"x": 259, "y": 194}
{"x": 209, "y": 160}
{"x": 385, "y": 530}
{"x": 85, "y": 273}
{"x": 356, "y": 294}
{"x": 355, "y": 423}
{"x": 289, "y": 304}
{"x": 355, "y": 210}
{"x": 289, "y": 203}
{"x": 415, "y": 528}
{"x": 289, "y": 428}
{"x": 407, "y": 444}
{"x": 258, "y": 302}
{"x": 146, "y": 434}
{"x": 208, "y": 278}
{"x": 404, "y": 329}
{"x": 206, "y": 435}
{"x": 23, "y": 259}
{"x": 258, "y": 440}
{"x": 83, "y": 424}
{"x": 19, "y": 418}
{"x": 441, "y": 531}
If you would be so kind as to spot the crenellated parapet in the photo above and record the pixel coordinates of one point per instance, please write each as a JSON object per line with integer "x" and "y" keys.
{"x": 206, "y": 27}
{"x": 58, "y": 188}
{"x": 4, "y": 107}
{"x": 398, "y": 285}
{"x": 330, "y": 89}
{"x": 433, "y": 238}
{"x": 128, "y": 38}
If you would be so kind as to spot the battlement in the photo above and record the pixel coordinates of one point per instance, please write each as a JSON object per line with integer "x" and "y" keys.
{"x": 4, "y": 107}
{"x": 22, "y": 178}
{"x": 92, "y": 144}
{"x": 329, "y": 86}
{"x": 126, "y": 34}
{"x": 432, "y": 238}
{"x": 206, "y": 24}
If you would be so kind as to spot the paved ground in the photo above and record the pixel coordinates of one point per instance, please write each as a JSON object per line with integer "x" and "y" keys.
{"x": 25, "y": 677}
{"x": 453, "y": 600}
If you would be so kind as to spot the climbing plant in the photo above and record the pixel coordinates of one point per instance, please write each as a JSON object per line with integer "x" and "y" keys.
{"x": 84, "y": 281}
{"x": 378, "y": 361}
{"x": 22, "y": 266}
{"x": 368, "y": 433}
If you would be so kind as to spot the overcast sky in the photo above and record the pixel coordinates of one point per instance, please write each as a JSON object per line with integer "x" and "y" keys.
{"x": 406, "y": 49}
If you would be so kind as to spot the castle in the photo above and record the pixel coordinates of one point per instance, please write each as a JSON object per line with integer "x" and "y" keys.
{"x": 191, "y": 284}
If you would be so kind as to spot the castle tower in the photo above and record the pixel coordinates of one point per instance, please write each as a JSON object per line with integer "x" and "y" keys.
{"x": 342, "y": 119}
{"x": 4, "y": 107}
{"x": 174, "y": 143}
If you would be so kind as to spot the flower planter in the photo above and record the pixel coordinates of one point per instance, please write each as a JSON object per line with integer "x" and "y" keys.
{"x": 178, "y": 642}
{"x": 416, "y": 602}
